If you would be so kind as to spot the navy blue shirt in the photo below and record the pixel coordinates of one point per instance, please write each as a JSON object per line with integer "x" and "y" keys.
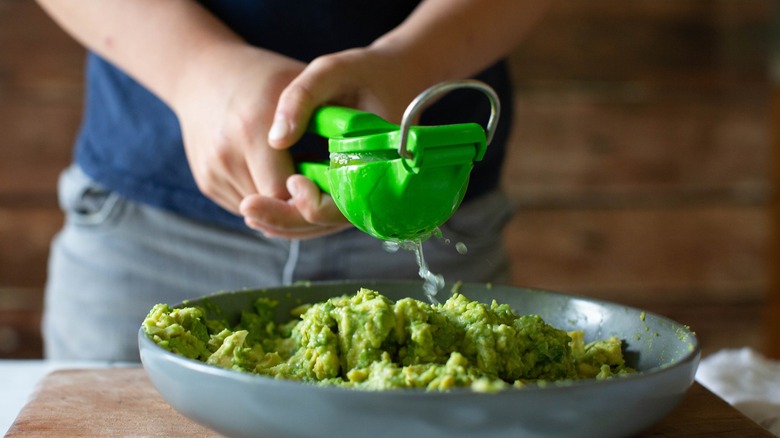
{"x": 130, "y": 141}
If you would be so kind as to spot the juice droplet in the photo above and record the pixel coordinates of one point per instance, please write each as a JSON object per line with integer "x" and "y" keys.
{"x": 391, "y": 245}
{"x": 461, "y": 248}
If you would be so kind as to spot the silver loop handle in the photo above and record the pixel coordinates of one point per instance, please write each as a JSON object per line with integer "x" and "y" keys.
{"x": 442, "y": 88}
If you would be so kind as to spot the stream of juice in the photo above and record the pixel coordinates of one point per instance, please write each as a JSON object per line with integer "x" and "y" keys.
{"x": 432, "y": 283}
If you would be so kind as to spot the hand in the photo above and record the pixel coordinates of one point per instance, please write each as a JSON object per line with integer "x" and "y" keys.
{"x": 359, "y": 78}
{"x": 225, "y": 114}
{"x": 225, "y": 107}
{"x": 309, "y": 213}
{"x": 371, "y": 79}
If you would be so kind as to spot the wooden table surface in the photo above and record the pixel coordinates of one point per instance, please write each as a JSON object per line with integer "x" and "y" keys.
{"x": 123, "y": 402}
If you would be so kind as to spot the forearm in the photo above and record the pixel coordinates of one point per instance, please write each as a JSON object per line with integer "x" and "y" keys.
{"x": 449, "y": 39}
{"x": 156, "y": 42}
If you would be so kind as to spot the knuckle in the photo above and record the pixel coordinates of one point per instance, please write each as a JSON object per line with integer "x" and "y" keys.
{"x": 243, "y": 128}
{"x": 297, "y": 94}
{"x": 314, "y": 215}
{"x": 309, "y": 215}
{"x": 207, "y": 183}
{"x": 221, "y": 153}
{"x": 325, "y": 63}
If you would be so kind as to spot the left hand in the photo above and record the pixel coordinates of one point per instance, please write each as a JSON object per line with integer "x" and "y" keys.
{"x": 307, "y": 214}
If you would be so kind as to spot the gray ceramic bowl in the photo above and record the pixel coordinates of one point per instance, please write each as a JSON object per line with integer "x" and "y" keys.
{"x": 238, "y": 404}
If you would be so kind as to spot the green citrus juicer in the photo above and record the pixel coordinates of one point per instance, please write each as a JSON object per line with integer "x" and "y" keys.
{"x": 399, "y": 182}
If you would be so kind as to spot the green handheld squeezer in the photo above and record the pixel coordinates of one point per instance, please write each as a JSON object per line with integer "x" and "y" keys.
{"x": 399, "y": 182}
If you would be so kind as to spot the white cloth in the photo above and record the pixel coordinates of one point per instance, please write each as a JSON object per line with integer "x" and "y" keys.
{"x": 746, "y": 380}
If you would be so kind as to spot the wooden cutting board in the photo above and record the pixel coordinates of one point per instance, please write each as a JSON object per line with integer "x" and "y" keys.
{"x": 101, "y": 402}
{"x": 123, "y": 402}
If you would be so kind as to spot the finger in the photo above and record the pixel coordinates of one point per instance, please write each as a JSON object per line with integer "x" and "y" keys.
{"x": 226, "y": 197}
{"x": 270, "y": 169}
{"x": 241, "y": 178}
{"x": 312, "y": 232}
{"x": 238, "y": 181}
{"x": 220, "y": 172}
{"x": 226, "y": 189}
{"x": 276, "y": 218}
{"x": 297, "y": 102}
{"x": 263, "y": 169}
{"x": 272, "y": 213}
{"x": 314, "y": 206}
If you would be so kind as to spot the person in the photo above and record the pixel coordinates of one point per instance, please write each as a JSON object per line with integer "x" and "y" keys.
{"x": 183, "y": 181}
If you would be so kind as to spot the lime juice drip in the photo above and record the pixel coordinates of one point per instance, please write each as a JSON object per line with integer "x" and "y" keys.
{"x": 459, "y": 246}
{"x": 432, "y": 283}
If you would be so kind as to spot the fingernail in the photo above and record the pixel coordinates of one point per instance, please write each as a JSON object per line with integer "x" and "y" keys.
{"x": 292, "y": 187}
{"x": 279, "y": 130}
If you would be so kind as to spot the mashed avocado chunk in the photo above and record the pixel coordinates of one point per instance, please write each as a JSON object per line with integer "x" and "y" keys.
{"x": 367, "y": 341}
{"x": 181, "y": 331}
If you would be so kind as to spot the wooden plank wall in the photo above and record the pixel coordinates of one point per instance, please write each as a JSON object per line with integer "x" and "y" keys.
{"x": 40, "y": 107}
{"x": 641, "y": 160}
{"x": 639, "y": 164}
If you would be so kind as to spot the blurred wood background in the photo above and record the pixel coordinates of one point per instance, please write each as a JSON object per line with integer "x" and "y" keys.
{"x": 641, "y": 162}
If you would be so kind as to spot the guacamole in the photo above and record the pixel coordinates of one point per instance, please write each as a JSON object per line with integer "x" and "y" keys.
{"x": 367, "y": 341}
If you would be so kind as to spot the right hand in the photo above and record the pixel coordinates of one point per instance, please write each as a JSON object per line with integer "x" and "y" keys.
{"x": 225, "y": 107}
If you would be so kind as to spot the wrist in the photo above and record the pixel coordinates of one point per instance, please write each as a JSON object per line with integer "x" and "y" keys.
{"x": 413, "y": 68}
{"x": 204, "y": 67}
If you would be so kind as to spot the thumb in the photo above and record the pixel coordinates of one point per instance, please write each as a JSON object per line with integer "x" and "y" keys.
{"x": 316, "y": 85}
